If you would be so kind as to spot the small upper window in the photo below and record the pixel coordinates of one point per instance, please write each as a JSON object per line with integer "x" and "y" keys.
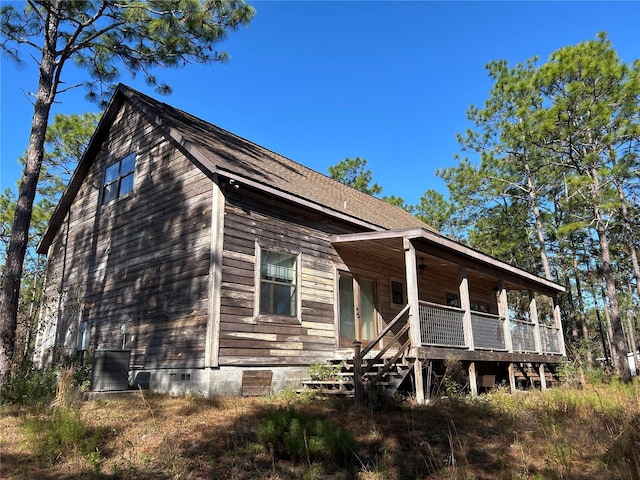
{"x": 118, "y": 178}
{"x": 397, "y": 294}
{"x": 278, "y": 284}
{"x": 453, "y": 300}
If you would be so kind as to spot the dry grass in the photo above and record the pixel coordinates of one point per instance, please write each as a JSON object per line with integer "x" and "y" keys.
{"x": 591, "y": 433}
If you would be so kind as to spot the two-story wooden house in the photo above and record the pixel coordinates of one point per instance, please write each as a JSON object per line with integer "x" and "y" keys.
{"x": 208, "y": 257}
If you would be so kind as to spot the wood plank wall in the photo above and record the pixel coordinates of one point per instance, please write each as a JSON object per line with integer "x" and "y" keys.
{"x": 141, "y": 260}
{"x": 248, "y": 339}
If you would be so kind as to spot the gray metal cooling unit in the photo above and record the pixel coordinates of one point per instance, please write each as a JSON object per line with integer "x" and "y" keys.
{"x": 110, "y": 370}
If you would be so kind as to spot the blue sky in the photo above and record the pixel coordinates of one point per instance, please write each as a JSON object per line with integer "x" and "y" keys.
{"x": 320, "y": 81}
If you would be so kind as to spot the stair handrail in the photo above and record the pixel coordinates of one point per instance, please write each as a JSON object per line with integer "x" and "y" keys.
{"x": 386, "y": 330}
{"x": 390, "y": 363}
{"x": 396, "y": 338}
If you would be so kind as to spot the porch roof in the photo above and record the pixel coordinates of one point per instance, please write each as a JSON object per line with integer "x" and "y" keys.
{"x": 439, "y": 246}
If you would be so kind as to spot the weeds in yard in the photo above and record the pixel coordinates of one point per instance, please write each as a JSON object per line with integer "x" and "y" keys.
{"x": 288, "y": 433}
{"x": 61, "y": 430}
{"x": 29, "y": 386}
{"x": 61, "y": 433}
{"x": 578, "y": 433}
{"x": 325, "y": 372}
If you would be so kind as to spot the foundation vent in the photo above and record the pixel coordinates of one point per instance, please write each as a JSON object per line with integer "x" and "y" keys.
{"x": 256, "y": 383}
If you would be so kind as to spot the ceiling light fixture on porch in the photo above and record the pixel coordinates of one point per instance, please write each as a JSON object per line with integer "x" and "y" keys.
{"x": 422, "y": 266}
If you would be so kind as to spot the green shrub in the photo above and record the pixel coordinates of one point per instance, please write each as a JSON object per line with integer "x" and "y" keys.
{"x": 325, "y": 371}
{"x": 571, "y": 374}
{"x": 597, "y": 376}
{"x": 59, "y": 433}
{"x": 299, "y": 436}
{"x": 82, "y": 370}
{"x": 29, "y": 386}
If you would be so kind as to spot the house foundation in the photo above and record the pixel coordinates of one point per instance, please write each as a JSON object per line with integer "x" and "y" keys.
{"x": 212, "y": 382}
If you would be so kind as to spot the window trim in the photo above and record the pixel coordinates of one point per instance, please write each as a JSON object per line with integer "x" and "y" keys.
{"x": 118, "y": 179}
{"x": 267, "y": 317}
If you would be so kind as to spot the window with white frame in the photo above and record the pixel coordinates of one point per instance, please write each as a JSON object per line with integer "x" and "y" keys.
{"x": 118, "y": 178}
{"x": 278, "y": 283}
{"x": 84, "y": 330}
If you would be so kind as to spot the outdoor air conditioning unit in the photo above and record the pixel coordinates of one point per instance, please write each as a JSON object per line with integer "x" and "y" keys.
{"x": 110, "y": 370}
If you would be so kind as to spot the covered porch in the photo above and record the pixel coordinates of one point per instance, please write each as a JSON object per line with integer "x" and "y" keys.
{"x": 459, "y": 302}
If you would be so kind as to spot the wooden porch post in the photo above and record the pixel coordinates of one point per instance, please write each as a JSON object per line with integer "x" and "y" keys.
{"x": 543, "y": 378}
{"x": 465, "y": 304}
{"x": 512, "y": 377}
{"x": 429, "y": 375}
{"x": 533, "y": 309}
{"x": 503, "y": 311}
{"x": 357, "y": 373}
{"x": 414, "y": 314}
{"x": 557, "y": 322}
{"x": 473, "y": 379}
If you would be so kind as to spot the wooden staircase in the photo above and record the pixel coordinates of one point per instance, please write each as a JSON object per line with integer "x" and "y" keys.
{"x": 383, "y": 376}
{"x": 382, "y": 370}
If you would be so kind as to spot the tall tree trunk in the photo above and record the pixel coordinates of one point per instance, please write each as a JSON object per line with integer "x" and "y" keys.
{"x": 621, "y": 363}
{"x": 583, "y": 315}
{"x": 573, "y": 317}
{"x": 631, "y": 330}
{"x": 629, "y": 234}
{"x": 604, "y": 337}
{"x": 10, "y": 293}
{"x": 539, "y": 230}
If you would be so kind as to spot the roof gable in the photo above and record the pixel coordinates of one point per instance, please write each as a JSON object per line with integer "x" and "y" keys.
{"x": 221, "y": 152}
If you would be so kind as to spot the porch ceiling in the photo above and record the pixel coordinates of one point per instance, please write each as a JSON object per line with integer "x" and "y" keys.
{"x": 390, "y": 243}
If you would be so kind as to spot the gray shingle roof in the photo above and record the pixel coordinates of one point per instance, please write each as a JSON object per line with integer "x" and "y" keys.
{"x": 232, "y": 153}
{"x": 223, "y": 152}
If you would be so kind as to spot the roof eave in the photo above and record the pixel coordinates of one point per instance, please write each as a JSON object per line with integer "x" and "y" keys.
{"x": 299, "y": 201}
{"x": 441, "y": 241}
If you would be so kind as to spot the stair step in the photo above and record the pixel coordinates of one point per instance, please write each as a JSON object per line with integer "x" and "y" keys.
{"x": 383, "y": 384}
{"x": 324, "y": 387}
{"x": 394, "y": 374}
{"x": 387, "y": 374}
{"x": 344, "y": 393}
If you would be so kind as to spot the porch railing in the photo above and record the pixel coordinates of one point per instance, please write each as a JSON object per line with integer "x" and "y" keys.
{"x": 443, "y": 326}
{"x": 488, "y": 331}
{"x": 550, "y": 339}
{"x": 523, "y": 336}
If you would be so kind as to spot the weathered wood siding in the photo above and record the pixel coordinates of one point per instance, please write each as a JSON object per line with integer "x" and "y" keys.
{"x": 141, "y": 260}
{"x": 248, "y": 339}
